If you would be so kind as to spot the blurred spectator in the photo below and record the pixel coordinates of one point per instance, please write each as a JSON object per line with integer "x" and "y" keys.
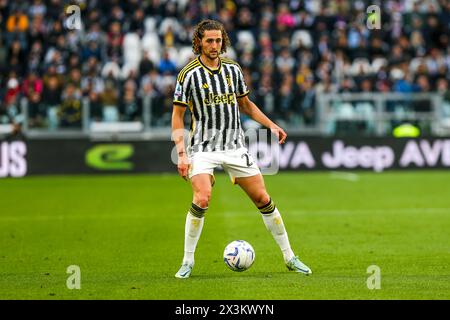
{"x": 17, "y": 26}
{"x": 285, "y": 99}
{"x": 305, "y": 101}
{"x": 74, "y": 78}
{"x": 285, "y": 62}
{"x": 146, "y": 64}
{"x": 12, "y": 88}
{"x": 12, "y": 110}
{"x": 366, "y": 85}
{"x": 148, "y": 83}
{"x": 51, "y": 97}
{"x": 109, "y": 99}
{"x": 265, "y": 95}
{"x": 347, "y": 85}
{"x": 443, "y": 89}
{"x": 402, "y": 81}
{"x": 70, "y": 109}
{"x": 36, "y": 110}
{"x": 115, "y": 40}
{"x": 37, "y": 8}
{"x": 32, "y": 84}
{"x": 38, "y": 29}
{"x": 92, "y": 50}
{"x": 167, "y": 66}
{"x": 422, "y": 85}
{"x": 137, "y": 22}
{"x": 95, "y": 106}
{"x": 130, "y": 106}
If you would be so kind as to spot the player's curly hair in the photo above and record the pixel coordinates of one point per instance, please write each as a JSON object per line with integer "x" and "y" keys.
{"x": 199, "y": 32}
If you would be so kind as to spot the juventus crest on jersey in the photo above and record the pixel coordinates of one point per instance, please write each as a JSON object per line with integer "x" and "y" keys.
{"x": 211, "y": 96}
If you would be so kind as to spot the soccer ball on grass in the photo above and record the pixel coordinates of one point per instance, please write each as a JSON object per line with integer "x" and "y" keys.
{"x": 239, "y": 255}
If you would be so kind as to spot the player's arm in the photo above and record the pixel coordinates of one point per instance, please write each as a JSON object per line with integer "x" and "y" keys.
{"x": 247, "y": 107}
{"x": 178, "y": 138}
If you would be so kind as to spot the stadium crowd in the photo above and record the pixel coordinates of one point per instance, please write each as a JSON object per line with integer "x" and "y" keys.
{"x": 290, "y": 52}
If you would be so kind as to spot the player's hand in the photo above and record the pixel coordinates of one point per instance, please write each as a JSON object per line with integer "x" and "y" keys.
{"x": 183, "y": 166}
{"x": 280, "y": 133}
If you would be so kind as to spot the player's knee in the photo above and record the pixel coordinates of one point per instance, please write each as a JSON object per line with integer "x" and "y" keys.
{"x": 202, "y": 199}
{"x": 203, "y": 202}
{"x": 267, "y": 206}
{"x": 262, "y": 199}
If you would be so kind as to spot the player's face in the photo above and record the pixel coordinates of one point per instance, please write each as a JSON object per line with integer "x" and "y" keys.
{"x": 212, "y": 43}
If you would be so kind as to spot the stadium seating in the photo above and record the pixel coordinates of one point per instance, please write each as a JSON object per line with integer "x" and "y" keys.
{"x": 324, "y": 40}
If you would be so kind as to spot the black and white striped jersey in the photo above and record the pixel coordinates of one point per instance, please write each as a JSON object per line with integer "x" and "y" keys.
{"x": 211, "y": 96}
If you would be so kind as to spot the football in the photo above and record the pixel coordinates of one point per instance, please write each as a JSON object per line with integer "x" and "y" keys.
{"x": 239, "y": 255}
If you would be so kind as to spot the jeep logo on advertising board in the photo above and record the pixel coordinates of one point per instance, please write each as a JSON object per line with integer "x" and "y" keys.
{"x": 376, "y": 157}
{"x": 420, "y": 153}
{"x": 110, "y": 157}
{"x": 12, "y": 159}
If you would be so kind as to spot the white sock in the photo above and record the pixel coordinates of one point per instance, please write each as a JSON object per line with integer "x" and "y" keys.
{"x": 192, "y": 231}
{"x": 274, "y": 223}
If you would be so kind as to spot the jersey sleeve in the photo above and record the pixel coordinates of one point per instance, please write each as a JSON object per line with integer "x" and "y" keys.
{"x": 241, "y": 88}
{"x": 182, "y": 93}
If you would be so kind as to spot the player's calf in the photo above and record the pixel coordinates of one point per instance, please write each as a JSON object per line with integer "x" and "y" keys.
{"x": 193, "y": 229}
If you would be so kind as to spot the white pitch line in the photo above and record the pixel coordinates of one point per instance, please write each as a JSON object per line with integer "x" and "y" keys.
{"x": 357, "y": 211}
{"x": 72, "y": 217}
{"x": 348, "y": 176}
{"x": 228, "y": 213}
{"x": 376, "y": 210}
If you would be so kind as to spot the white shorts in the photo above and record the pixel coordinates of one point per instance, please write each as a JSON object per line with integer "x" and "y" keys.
{"x": 237, "y": 163}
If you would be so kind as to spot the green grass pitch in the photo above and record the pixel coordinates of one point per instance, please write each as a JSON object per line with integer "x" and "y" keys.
{"x": 126, "y": 234}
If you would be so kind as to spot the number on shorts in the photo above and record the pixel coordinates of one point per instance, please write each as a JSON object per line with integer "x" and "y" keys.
{"x": 247, "y": 157}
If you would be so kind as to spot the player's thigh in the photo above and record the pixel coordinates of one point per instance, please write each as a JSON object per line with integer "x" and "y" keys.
{"x": 239, "y": 163}
{"x": 255, "y": 188}
{"x": 202, "y": 163}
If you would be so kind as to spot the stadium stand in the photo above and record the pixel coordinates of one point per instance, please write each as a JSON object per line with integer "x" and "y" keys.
{"x": 128, "y": 53}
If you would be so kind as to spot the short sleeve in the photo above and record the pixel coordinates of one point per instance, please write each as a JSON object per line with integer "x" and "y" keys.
{"x": 182, "y": 93}
{"x": 242, "y": 89}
